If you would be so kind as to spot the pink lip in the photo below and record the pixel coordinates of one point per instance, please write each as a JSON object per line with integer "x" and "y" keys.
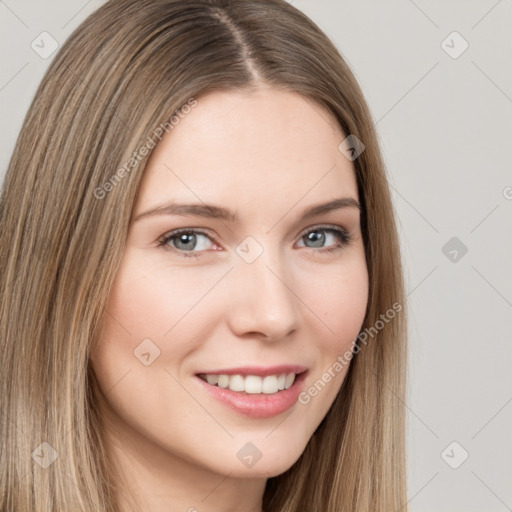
{"x": 258, "y": 405}
{"x": 257, "y": 370}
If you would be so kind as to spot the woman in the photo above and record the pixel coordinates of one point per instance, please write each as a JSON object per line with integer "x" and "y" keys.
{"x": 202, "y": 298}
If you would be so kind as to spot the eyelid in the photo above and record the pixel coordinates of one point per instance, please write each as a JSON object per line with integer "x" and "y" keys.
{"x": 175, "y": 232}
{"x": 320, "y": 227}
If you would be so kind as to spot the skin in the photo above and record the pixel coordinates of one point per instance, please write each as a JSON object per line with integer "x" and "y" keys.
{"x": 268, "y": 155}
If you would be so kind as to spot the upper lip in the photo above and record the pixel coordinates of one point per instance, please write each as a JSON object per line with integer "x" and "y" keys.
{"x": 261, "y": 371}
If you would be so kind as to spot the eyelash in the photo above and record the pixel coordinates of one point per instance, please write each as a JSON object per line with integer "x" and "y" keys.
{"x": 345, "y": 238}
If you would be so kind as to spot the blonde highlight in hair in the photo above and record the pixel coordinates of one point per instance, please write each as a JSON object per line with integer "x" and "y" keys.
{"x": 123, "y": 72}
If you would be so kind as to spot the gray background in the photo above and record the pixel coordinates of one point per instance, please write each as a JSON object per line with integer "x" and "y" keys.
{"x": 445, "y": 127}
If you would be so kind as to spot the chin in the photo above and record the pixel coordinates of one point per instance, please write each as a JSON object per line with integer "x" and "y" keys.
{"x": 263, "y": 458}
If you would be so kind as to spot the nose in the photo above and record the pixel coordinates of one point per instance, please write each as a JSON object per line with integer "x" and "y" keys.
{"x": 262, "y": 301}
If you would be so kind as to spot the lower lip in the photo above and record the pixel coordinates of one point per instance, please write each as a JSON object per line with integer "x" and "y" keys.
{"x": 258, "y": 405}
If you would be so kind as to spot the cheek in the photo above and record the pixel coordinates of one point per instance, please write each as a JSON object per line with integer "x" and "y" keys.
{"x": 157, "y": 310}
{"x": 153, "y": 301}
{"x": 338, "y": 300}
{"x": 339, "y": 304}
{"x": 151, "y": 324}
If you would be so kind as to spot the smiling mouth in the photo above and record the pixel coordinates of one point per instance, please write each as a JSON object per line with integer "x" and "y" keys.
{"x": 251, "y": 384}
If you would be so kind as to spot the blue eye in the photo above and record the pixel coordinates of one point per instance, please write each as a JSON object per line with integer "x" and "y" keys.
{"x": 185, "y": 242}
{"x": 312, "y": 236}
{"x": 186, "y": 239}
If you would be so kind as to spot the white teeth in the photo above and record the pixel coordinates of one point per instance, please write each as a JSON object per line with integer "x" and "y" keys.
{"x": 212, "y": 379}
{"x": 236, "y": 383}
{"x": 223, "y": 381}
{"x": 252, "y": 384}
{"x": 289, "y": 380}
{"x": 269, "y": 384}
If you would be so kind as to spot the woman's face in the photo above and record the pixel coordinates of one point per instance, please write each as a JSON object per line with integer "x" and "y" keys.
{"x": 251, "y": 295}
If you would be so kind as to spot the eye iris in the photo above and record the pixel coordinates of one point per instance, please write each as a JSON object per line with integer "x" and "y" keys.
{"x": 315, "y": 237}
{"x": 186, "y": 238}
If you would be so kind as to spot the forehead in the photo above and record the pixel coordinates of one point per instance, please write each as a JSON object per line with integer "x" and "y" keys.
{"x": 250, "y": 150}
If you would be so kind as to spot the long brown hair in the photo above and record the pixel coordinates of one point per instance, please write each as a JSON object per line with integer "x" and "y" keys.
{"x": 123, "y": 72}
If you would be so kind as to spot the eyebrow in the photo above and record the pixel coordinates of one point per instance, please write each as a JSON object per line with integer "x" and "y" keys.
{"x": 218, "y": 212}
